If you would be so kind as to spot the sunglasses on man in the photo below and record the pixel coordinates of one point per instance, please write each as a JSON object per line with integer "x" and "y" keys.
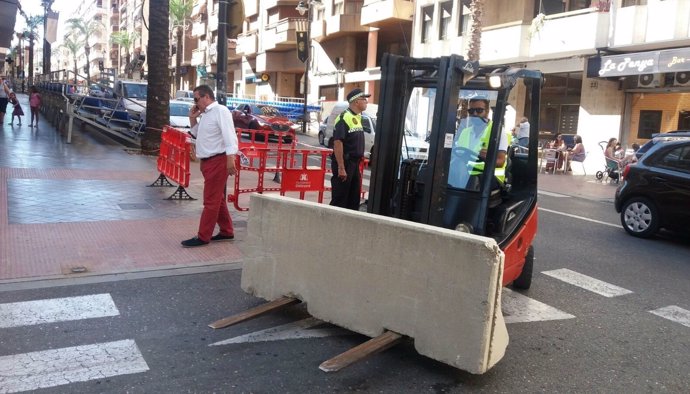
{"x": 477, "y": 111}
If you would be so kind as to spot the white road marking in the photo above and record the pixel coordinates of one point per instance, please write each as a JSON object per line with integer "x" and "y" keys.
{"x": 587, "y": 282}
{"x": 518, "y": 308}
{"x": 674, "y": 314}
{"x": 29, "y": 313}
{"x": 551, "y": 194}
{"x": 49, "y": 368}
{"x": 580, "y": 217}
{"x": 297, "y": 330}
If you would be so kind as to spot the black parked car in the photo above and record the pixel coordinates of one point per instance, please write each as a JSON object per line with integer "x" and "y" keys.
{"x": 678, "y": 134}
{"x": 655, "y": 192}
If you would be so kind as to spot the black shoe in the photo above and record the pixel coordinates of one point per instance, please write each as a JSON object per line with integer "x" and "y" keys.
{"x": 220, "y": 237}
{"x": 193, "y": 242}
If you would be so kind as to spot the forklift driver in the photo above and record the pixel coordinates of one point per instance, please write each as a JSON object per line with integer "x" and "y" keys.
{"x": 469, "y": 149}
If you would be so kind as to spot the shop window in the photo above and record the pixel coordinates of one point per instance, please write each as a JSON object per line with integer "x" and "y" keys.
{"x": 464, "y": 17}
{"x": 444, "y": 25}
{"x": 650, "y": 123}
{"x": 427, "y": 18}
{"x": 630, "y": 3}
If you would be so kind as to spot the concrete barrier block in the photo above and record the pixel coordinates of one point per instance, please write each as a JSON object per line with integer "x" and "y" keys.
{"x": 370, "y": 273}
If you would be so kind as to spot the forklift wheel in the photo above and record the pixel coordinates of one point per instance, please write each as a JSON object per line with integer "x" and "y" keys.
{"x": 524, "y": 281}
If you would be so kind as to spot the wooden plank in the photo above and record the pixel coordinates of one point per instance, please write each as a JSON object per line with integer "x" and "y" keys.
{"x": 255, "y": 312}
{"x": 357, "y": 353}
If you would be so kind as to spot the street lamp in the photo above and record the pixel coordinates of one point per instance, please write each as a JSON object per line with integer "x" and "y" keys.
{"x": 304, "y": 51}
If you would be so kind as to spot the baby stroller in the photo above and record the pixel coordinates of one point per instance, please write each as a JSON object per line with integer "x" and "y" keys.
{"x": 613, "y": 168}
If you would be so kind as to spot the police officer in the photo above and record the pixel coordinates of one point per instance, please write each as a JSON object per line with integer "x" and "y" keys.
{"x": 474, "y": 137}
{"x": 348, "y": 151}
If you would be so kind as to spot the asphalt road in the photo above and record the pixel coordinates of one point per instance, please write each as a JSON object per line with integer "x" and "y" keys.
{"x": 150, "y": 335}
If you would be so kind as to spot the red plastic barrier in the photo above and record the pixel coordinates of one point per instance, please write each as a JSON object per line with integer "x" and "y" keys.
{"x": 174, "y": 156}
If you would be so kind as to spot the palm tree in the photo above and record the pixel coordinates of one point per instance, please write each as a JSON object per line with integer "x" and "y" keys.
{"x": 87, "y": 29}
{"x": 180, "y": 11}
{"x": 158, "y": 97}
{"x": 125, "y": 39}
{"x": 477, "y": 10}
{"x": 32, "y": 24}
{"x": 72, "y": 43}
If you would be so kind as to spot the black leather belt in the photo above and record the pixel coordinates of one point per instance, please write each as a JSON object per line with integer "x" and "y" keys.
{"x": 211, "y": 157}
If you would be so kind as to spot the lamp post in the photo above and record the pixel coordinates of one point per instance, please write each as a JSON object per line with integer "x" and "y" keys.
{"x": 304, "y": 51}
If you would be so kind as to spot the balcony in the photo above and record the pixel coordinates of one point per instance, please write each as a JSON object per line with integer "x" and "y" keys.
{"x": 644, "y": 26}
{"x": 198, "y": 7}
{"x": 248, "y": 43}
{"x": 198, "y": 57}
{"x": 281, "y": 35}
{"x": 213, "y": 23}
{"x": 384, "y": 13}
{"x": 555, "y": 36}
{"x": 251, "y": 8}
{"x": 342, "y": 24}
{"x": 198, "y": 29}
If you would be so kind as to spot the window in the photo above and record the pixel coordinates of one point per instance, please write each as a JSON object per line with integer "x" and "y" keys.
{"x": 444, "y": 25}
{"x": 630, "y": 3}
{"x": 464, "y": 17}
{"x": 338, "y": 7}
{"x": 427, "y": 18}
{"x": 650, "y": 123}
{"x": 676, "y": 159}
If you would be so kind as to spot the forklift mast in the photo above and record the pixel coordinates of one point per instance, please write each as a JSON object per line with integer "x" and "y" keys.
{"x": 418, "y": 190}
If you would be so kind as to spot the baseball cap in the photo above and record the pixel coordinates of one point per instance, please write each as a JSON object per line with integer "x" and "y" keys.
{"x": 355, "y": 94}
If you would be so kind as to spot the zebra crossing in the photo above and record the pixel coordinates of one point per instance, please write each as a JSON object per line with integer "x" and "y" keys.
{"x": 59, "y": 366}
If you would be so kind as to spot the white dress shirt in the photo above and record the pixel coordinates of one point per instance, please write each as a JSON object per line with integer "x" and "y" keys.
{"x": 215, "y": 132}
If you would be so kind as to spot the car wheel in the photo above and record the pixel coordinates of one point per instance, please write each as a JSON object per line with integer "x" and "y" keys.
{"x": 599, "y": 175}
{"x": 524, "y": 281}
{"x": 640, "y": 217}
{"x": 322, "y": 139}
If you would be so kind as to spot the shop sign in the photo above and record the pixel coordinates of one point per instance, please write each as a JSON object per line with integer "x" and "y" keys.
{"x": 674, "y": 60}
{"x": 669, "y": 60}
{"x": 629, "y": 64}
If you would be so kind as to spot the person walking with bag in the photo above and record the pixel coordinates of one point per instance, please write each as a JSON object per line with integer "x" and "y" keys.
{"x": 216, "y": 148}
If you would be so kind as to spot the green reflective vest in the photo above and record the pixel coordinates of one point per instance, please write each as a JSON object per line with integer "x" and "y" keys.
{"x": 477, "y": 167}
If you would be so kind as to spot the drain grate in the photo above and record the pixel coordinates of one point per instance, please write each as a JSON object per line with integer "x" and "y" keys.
{"x": 133, "y": 206}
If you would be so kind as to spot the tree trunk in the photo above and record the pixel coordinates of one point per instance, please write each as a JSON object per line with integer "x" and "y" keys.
{"x": 127, "y": 61}
{"x": 158, "y": 98}
{"x": 88, "y": 72}
{"x": 178, "y": 60}
{"x": 31, "y": 58}
{"x": 477, "y": 10}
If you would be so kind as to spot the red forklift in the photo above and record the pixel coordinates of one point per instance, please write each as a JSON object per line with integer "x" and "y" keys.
{"x": 430, "y": 96}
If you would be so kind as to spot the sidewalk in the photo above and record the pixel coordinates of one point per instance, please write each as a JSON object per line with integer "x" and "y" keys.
{"x": 578, "y": 186}
{"x": 85, "y": 205}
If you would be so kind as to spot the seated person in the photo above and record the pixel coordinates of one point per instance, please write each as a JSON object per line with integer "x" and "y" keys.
{"x": 578, "y": 152}
{"x": 471, "y": 142}
{"x": 631, "y": 158}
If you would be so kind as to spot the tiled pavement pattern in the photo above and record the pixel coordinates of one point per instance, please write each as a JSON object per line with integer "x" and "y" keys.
{"x": 86, "y": 204}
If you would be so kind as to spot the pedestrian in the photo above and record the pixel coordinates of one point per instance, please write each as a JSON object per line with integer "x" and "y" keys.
{"x": 4, "y": 95}
{"x": 216, "y": 148}
{"x": 18, "y": 111}
{"x": 523, "y": 132}
{"x": 348, "y": 151}
{"x": 35, "y": 105}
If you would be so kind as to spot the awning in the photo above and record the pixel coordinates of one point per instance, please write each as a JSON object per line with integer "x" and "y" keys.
{"x": 664, "y": 61}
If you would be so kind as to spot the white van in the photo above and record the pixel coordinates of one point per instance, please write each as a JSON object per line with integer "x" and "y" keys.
{"x": 413, "y": 147}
